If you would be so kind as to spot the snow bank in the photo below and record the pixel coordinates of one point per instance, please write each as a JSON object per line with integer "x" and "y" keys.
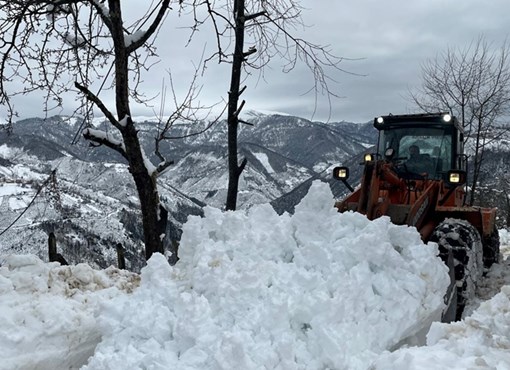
{"x": 504, "y": 239}
{"x": 5, "y": 151}
{"x": 48, "y": 311}
{"x": 481, "y": 341}
{"x": 256, "y": 290}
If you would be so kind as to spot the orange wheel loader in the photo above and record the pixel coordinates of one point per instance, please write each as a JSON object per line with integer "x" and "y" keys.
{"x": 417, "y": 177}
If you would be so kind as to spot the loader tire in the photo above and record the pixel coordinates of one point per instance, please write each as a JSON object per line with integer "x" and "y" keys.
{"x": 463, "y": 241}
{"x": 491, "y": 248}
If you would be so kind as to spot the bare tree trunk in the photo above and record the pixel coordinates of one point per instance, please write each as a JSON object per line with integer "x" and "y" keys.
{"x": 507, "y": 201}
{"x": 234, "y": 169}
{"x": 145, "y": 183}
{"x": 149, "y": 203}
{"x": 477, "y": 165}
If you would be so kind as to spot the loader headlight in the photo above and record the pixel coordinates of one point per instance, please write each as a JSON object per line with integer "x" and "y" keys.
{"x": 447, "y": 118}
{"x": 368, "y": 157}
{"x": 341, "y": 173}
{"x": 456, "y": 177}
{"x": 379, "y": 122}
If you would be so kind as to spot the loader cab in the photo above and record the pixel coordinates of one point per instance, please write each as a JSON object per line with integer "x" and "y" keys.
{"x": 424, "y": 143}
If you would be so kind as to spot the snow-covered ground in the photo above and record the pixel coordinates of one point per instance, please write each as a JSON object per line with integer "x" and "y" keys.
{"x": 480, "y": 341}
{"x": 254, "y": 290}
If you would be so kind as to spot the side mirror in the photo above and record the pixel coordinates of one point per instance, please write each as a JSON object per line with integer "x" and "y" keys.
{"x": 389, "y": 154}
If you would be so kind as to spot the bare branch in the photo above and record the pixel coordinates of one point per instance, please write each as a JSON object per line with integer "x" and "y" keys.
{"x": 93, "y": 98}
{"x": 163, "y": 8}
{"x": 249, "y": 17}
{"x": 238, "y": 111}
{"x": 163, "y": 166}
{"x": 103, "y": 11}
{"x": 103, "y": 138}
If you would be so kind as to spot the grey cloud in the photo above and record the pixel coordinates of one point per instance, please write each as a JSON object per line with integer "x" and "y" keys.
{"x": 393, "y": 37}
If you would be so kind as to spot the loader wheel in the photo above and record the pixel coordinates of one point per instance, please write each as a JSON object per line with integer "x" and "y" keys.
{"x": 491, "y": 248}
{"x": 462, "y": 240}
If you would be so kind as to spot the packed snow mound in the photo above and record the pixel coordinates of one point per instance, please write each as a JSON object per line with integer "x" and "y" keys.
{"x": 504, "y": 239}
{"x": 256, "y": 290}
{"x": 48, "y": 311}
{"x": 481, "y": 341}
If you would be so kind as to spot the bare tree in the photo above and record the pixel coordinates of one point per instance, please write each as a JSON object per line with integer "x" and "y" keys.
{"x": 500, "y": 195}
{"x": 473, "y": 84}
{"x": 506, "y": 199}
{"x": 269, "y": 28}
{"x": 70, "y": 45}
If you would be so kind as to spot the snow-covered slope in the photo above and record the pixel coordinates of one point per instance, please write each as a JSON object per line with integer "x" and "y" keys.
{"x": 90, "y": 207}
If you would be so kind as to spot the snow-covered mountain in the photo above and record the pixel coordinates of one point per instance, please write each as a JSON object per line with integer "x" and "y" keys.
{"x": 91, "y": 205}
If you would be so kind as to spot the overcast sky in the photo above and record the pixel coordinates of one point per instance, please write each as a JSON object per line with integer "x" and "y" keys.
{"x": 391, "y": 39}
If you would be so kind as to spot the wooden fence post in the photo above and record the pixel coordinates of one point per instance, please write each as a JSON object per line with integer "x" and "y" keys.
{"x": 52, "y": 250}
{"x": 121, "y": 261}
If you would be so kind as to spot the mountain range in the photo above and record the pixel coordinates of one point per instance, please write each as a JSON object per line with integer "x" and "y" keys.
{"x": 85, "y": 195}
{"x": 90, "y": 202}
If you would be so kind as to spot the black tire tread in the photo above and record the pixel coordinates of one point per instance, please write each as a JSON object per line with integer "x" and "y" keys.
{"x": 491, "y": 248}
{"x": 464, "y": 242}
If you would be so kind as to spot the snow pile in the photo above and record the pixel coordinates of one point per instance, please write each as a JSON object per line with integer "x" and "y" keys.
{"x": 256, "y": 290}
{"x": 6, "y": 151}
{"x": 47, "y": 311}
{"x": 504, "y": 239}
{"x": 481, "y": 341}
